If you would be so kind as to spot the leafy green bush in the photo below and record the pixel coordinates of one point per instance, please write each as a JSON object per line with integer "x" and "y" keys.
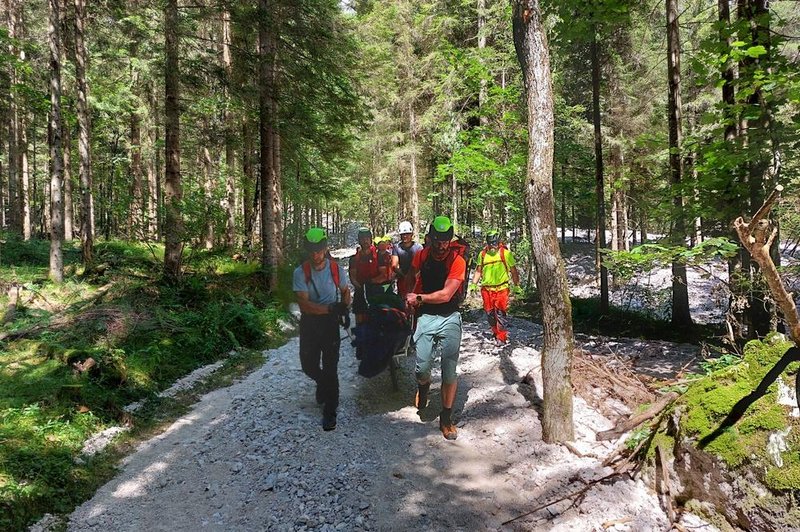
{"x": 143, "y": 335}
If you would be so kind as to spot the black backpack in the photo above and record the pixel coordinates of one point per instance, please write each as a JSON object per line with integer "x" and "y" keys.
{"x": 458, "y": 247}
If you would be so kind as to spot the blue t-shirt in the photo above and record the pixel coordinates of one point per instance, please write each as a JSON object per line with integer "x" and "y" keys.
{"x": 322, "y": 280}
{"x": 405, "y": 255}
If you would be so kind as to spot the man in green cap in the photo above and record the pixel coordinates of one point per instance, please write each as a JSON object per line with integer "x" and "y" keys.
{"x": 440, "y": 272}
{"x": 324, "y": 296}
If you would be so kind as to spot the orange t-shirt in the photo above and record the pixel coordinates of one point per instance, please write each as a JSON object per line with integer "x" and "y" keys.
{"x": 458, "y": 269}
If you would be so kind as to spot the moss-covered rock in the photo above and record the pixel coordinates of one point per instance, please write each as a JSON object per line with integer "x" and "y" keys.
{"x": 734, "y": 473}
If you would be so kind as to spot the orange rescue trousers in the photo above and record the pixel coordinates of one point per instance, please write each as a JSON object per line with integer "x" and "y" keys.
{"x": 495, "y": 303}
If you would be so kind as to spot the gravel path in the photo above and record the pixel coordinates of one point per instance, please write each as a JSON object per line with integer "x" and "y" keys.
{"x": 254, "y": 457}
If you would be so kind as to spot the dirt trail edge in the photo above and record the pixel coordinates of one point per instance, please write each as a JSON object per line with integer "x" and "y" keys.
{"x": 254, "y": 457}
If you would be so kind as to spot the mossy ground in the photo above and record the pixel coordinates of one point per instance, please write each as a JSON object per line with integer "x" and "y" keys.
{"x": 708, "y": 401}
{"x": 143, "y": 333}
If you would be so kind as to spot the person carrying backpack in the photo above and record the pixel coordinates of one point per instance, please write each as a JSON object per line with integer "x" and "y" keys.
{"x": 441, "y": 270}
{"x": 405, "y": 250}
{"x": 495, "y": 269}
{"x": 363, "y": 269}
{"x": 324, "y": 296}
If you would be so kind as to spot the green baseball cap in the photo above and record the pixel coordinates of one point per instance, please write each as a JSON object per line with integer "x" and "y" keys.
{"x": 316, "y": 239}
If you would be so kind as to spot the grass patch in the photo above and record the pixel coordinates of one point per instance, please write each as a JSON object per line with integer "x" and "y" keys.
{"x": 142, "y": 335}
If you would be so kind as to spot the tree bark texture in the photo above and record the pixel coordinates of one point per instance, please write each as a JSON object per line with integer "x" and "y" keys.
{"x": 598, "y": 174}
{"x": 680, "y": 289}
{"x": 68, "y": 211}
{"x": 84, "y": 146}
{"x": 414, "y": 184}
{"x": 136, "y": 220}
{"x": 531, "y": 46}
{"x": 230, "y": 131}
{"x": 23, "y": 167}
{"x": 266, "y": 52}
{"x": 13, "y": 122}
{"x": 56, "y": 154}
{"x": 173, "y": 191}
{"x": 152, "y": 173}
{"x": 728, "y": 96}
{"x": 208, "y": 189}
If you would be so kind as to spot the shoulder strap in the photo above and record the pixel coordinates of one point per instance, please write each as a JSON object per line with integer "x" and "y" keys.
{"x": 483, "y": 255}
{"x": 503, "y": 258}
{"x": 334, "y": 273}
{"x": 423, "y": 254}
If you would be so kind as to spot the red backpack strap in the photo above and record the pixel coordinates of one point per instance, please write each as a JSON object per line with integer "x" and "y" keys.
{"x": 503, "y": 257}
{"x": 483, "y": 255}
{"x": 423, "y": 255}
{"x": 334, "y": 272}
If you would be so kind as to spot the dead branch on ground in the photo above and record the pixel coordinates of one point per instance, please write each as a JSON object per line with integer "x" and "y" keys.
{"x": 638, "y": 419}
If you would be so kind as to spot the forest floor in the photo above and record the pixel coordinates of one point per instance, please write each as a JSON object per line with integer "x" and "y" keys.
{"x": 252, "y": 456}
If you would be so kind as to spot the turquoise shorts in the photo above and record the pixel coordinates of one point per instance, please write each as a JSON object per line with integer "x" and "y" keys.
{"x": 443, "y": 332}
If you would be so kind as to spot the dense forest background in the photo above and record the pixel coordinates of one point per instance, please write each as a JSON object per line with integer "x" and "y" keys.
{"x": 185, "y": 122}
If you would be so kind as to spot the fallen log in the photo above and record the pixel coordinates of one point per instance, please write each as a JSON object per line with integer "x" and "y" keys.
{"x": 638, "y": 419}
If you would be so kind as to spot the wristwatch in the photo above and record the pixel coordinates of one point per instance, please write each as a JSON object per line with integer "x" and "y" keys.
{"x": 419, "y": 298}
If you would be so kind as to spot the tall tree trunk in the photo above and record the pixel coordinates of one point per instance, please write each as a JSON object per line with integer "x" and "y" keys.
{"x": 230, "y": 131}
{"x": 762, "y": 174}
{"x": 266, "y": 38}
{"x": 619, "y": 227}
{"x": 152, "y": 173}
{"x": 454, "y": 198}
{"x": 249, "y": 185}
{"x": 68, "y": 212}
{"x": 680, "y": 289}
{"x": 173, "y": 227}
{"x": 483, "y": 92}
{"x": 136, "y": 222}
{"x": 530, "y": 43}
{"x": 728, "y": 96}
{"x": 277, "y": 204}
{"x": 56, "y": 155}
{"x": 15, "y": 221}
{"x": 208, "y": 189}
{"x": 23, "y": 171}
{"x": 598, "y": 174}
{"x": 414, "y": 184}
{"x": 84, "y": 151}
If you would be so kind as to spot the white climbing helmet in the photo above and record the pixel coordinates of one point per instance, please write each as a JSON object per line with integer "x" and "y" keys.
{"x": 405, "y": 227}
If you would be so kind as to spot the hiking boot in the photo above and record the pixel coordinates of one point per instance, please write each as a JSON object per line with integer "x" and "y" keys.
{"x": 421, "y": 399}
{"x": 328, "y": 422}
{"x": 319, "y": 395}
{"x": 449, "y": 430}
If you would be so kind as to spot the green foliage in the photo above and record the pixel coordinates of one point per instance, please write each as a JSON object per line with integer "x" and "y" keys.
{"x": 647, "y": 257}
{"x": 143, "y": 336}
{"x": 711, "y": 365}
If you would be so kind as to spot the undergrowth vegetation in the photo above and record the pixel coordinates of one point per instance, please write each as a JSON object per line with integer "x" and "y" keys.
{"x": 140, "y": 333}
